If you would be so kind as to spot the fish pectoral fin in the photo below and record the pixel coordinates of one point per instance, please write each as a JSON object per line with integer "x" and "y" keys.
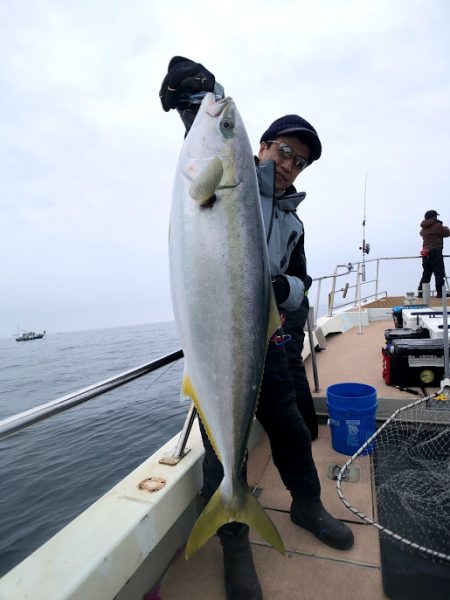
{"x": 216, "y": 514}
{"x": 274, "y": 322}
{"x": 204, "y": 186}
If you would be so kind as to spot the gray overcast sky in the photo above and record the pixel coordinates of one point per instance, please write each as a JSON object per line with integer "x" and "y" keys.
{"x": 88, "y": 156}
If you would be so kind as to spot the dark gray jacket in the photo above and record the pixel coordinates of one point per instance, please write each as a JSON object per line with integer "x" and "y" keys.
{"x": 285, "y": 234}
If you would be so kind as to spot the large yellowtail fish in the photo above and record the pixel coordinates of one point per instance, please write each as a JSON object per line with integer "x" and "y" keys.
{"x": 223, "y": 302}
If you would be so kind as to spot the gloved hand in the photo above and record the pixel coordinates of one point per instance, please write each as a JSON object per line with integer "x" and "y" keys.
{"x": 281, "y": 288}
{"x": 184, "y": 76}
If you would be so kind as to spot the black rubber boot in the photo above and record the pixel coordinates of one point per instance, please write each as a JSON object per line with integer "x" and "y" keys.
{"x": 241, "y": 580}
{"x": 311, "y": 515}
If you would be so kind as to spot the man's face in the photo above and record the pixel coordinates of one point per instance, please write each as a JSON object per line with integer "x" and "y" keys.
{"x": 285, "y": 169}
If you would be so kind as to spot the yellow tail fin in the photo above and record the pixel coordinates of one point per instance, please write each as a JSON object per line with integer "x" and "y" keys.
{"x": 216, "y": 514}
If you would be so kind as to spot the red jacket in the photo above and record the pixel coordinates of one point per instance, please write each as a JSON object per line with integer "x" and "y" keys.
{"x": 433, "y": 233}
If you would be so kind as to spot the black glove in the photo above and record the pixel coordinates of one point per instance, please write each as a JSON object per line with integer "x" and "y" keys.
{"x": 281, "y": 288}
{"x": 184, "y": 77}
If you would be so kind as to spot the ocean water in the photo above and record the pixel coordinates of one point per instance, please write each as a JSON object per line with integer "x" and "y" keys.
{"x": 55, "y": 469}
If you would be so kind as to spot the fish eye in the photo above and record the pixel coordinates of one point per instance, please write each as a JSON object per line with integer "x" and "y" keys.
{"x": 227, "y": 124}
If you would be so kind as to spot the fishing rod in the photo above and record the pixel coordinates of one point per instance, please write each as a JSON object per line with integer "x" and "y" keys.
{"x": 365, "y": 246}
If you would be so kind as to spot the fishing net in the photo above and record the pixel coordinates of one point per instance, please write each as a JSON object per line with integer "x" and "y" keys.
{"x": 410, "y": 477}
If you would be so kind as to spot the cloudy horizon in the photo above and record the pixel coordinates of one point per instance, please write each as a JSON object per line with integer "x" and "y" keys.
{"x": 88, "y": 155}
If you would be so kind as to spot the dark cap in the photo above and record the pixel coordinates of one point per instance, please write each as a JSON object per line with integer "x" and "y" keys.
{"x": 295, "y": 125}
{"x": 430, "y": 214}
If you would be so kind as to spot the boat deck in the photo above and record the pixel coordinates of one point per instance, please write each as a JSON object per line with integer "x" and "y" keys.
{"x": 340, "y": 363}
{"x": 310, "y": 569}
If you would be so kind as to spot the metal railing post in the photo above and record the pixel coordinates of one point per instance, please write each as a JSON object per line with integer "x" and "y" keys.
{"x": 377, "y": 277}
{"x": 313, "y": 353}
{"x": 316, "y": 315}
{"x": 180, "y": 449}
{"x": 445, "y": 332}
{"x": 358, "y": 294}
{"x": 331, "y": 295}
{"x": 357, "y": 285}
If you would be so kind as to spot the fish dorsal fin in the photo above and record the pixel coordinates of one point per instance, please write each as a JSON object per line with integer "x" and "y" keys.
{"x": 204, "y": 186}
{"x": 274, "y": 322}
{"x": 187, "y": 389}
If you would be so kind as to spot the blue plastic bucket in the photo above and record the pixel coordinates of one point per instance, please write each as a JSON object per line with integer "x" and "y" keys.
{"x": 352, "y": 408}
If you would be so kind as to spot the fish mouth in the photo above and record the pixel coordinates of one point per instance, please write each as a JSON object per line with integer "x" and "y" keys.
{"x": 216, "y": 108}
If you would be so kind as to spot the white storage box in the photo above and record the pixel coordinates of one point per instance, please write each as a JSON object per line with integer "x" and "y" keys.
{"x": 435, "y": 326}
{"x": 411, "y": 316}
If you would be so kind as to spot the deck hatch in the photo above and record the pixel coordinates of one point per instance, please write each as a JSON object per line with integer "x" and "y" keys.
{"x": 352, "y": 473}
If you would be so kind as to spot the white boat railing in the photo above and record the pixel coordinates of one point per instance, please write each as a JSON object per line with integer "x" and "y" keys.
{"x": 353, "y": 277}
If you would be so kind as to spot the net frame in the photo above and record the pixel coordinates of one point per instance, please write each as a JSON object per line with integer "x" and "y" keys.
{"x": 444, "y": 391}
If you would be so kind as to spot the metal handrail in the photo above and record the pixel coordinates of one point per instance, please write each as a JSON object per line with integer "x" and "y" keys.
{"x": 355, "y": 269}
{"x": 33, "y": 415}
{"x": 375, "y": 295}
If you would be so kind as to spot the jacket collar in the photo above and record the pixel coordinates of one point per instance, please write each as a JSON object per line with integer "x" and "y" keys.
{"x": 266, "y": 177}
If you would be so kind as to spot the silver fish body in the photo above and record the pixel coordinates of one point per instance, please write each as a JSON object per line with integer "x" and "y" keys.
{"x": 223, "y": 300}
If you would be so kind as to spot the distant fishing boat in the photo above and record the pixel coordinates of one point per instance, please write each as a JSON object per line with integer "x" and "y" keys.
{"x": 29, "y": 335}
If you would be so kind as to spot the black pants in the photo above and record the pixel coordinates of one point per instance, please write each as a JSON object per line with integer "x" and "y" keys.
{"x": 433, "y": 263}
{"x": 294, "y": 324}
{"x": 289, "y": 437}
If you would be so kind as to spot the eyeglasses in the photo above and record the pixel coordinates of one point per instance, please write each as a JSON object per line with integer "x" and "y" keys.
{"x": 286, "y": 152}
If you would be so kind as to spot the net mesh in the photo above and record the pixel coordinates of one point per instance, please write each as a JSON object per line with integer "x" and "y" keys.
{"x": 410, "y": 477}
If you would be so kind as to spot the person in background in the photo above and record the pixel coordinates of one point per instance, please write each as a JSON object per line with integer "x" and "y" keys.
{"x": 287, "y": 146}
{"x": 433, "y": 233}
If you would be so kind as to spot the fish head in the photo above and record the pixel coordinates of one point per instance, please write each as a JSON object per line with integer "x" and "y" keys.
{"x": 217, "y": 153}
{"x": 221, "y": 111}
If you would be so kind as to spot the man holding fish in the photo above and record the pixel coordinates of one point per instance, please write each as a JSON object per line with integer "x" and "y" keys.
{"x": 237, "y": 263}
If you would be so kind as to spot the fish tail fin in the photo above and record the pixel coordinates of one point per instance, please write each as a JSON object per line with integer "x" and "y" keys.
{"x": 256, "y": 517}
{"x": 216, "y": 514}
{"x": 213, "y": 516}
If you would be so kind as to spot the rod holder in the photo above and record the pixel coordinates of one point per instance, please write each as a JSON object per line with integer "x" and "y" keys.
{"x": 426, "y": 293}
